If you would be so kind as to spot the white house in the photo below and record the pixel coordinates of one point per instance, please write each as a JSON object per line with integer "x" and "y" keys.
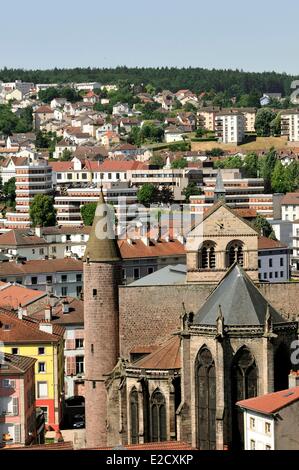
{"x": 273, "y": 261}
{"x": 120, "y": 109}
{"x": 173, "y": 134}
{"x": 271, "y": 421}
{"x": 290, "y": 207}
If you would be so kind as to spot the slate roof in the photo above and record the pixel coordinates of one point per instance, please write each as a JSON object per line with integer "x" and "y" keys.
{"x": 165, "y": 276}
{"x": 241, "y": 302}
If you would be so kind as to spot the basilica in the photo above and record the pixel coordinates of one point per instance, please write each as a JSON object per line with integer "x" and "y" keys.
{"x": 169, "y": 360}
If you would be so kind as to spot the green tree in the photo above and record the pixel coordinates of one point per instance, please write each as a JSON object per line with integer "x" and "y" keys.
{"x": 147, "y": 194}
{"x": 66, "y": 155}
{"x": 230, "y": 162}
{"x": 263, "y": 227}
{"x": 42, "y": 212}
{"x": 200, "y": 132}
{"x": 279, "y": 183}
{"x": 9, "y": 192}
{"x": 275, "y": 125}
{"x": 251, "y": 165}
{"x": 88, "y": 212}
{"x": 179, "y": 163}
{"x": 263, "y": 120}
{"x": 165, "y": 195}
{"x": 157, "y": 160}
{"x": 267, "y": 167}
{"x": 215, "y": 152}
{"x": 191, "y": 190}
{"x": 292, "y": 176}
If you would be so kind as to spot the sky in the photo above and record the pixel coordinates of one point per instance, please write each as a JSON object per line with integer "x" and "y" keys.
{"x": 256, "y": 35}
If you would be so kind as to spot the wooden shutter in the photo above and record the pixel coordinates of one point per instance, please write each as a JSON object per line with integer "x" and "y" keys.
{"x": 15, "y": 406}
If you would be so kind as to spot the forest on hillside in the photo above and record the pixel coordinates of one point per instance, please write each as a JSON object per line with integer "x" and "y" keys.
{"x": 232, "y": 82}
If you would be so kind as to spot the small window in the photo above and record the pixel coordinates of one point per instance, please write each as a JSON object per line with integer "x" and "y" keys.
{"x": 41, "y": 251}
{"x": 45, "y": 411}
{"x": 281, "y": 262}
{"x": 94, "y": 292}
{"x": 150, "y": 270}
{"x": 136, "y": 273}
{"x": 84, "y": 176}
{"x": 34, "y": 280}
{"x": 59, "y": 176}
{"x": 271, "y": 275}
{"x": 64, "y": 291}
{"x": 14, "y": 350}
{"x": 49, "y": 279}
{"x": 252, "y": 444}
{"x": 265, "y": 276}
{"x": 281, "y": 274}
{"x": 252, "y": 423}
{"x": 79, "y": 277}
{"x": 41, "y": 367}
{"x": 268, "y": 428}
{"x": 42, "y": 389}
{"x": 68, "y": 238}
{"x": 79, "y": 343}
{"x": 259, "y": 262}
{"x": 64, "y": 278}
{"x": 41, "y": 351}
{"x": 91, "y": 348}
{"x": 78, "y": 290}
{"x": 93, "y": 384}
{"x": 53, "y": 249}
{"x": 69, "y": 176}
{"x": 270, "y": 262}
{"x": 33, "y": 251}
{"x": 79, "y": 364}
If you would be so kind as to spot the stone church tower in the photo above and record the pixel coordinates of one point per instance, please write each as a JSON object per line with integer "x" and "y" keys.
{"x": 102, "y": 275}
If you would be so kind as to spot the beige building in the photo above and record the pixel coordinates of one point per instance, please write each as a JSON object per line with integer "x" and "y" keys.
{"x": 206, "y": 117}
{"x": 290, "y": 124}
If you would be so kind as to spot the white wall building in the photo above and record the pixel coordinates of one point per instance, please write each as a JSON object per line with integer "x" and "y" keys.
{"x": 290, "y": 125}
{"x": 273, "y": 261}
{"x": 230, "y": 127}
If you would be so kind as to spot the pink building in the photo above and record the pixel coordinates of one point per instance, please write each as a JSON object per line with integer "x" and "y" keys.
{"x": 17, "y": 400}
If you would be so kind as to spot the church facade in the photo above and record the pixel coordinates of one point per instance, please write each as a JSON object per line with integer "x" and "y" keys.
{"x": 159, "y": 373}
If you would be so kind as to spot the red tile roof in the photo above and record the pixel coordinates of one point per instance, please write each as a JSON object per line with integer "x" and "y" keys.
{"x": 167, "y": 356}
{"x": 25, "y": 330}
{"x": 44, "y": 110}
{"x": 137, "y": 249}
{"x": 271, "y": 402}
{"x": 75, "y": 315}
{"x": 116, "y": 165}
{"x": 40, "y": 266}
{"x": 290, "y": 198}
{"x": 12, "y": 296}
{"x": 20, "y": 237}
{"x": 265, "y": 243}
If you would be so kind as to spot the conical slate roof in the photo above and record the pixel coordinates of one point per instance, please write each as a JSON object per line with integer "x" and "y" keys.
{"x": 102, "y": 245}
{"x": 242, "y": 304}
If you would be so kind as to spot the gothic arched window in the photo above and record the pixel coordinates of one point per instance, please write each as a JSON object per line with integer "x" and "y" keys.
{"x": 158, "y": 417}
{"x": 244, "y": 385}
{"x": 134, "y": 412}
{"x": 207, "y": 256}
{"x": 235, "y": 253}
{"x": 205, "y": 380}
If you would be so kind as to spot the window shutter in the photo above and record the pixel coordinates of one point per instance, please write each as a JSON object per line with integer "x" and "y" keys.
{"x": 12, "y": 383}
{"x": 15, "y": 406}
{"x": 73, "y": 365}
{"x": 17, "y": 432}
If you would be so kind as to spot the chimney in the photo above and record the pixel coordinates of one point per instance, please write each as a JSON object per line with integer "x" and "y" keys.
{"x": 65, "y": 307}
{"x": 48, "y": 313}
{"x": 46, "y": 327}
{"x": 145, "y": 240}
{"x": 38, "y": 231}
{"x": 294, "y": 378}
{"x": 20, "y": 312}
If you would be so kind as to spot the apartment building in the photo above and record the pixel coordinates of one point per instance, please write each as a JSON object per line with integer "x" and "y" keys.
{"x": 17, "y": 400}
{"x": 175, "y": 179}
{"x": 230, "y": 127}
{"x": 69, "y": 204}
{"x": 273, "y": 260}
{"x": 32, "y": 177}
{"x": 62, "y": 276}
{"x": 270, "y": 421}
{"x": 249, "y": 115}
{"x": 290, "y": 124}
{"x": 290, "y": 207}
{"x": 69, "y": 313}
{"x": 206, "y": 117}
{"x": 42, "y": 341}
{"x": 238, "y": 192}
